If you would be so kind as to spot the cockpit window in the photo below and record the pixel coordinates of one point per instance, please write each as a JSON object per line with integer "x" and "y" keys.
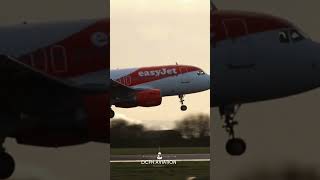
{"x": 296, "y": 36}
{"x": 290, "y": 35}
{"x": 284, "y": 37}
{"x": 201, "y": 73}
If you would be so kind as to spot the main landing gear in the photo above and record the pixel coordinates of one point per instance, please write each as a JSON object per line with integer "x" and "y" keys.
{"x": 111, "y": 113}
{"x": 7, "y": 164}
{"x": 234, "y": 146}
{"x": 183, "y": 107}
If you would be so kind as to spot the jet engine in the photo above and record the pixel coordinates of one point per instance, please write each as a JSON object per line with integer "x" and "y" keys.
{"x": 144, "y": 98}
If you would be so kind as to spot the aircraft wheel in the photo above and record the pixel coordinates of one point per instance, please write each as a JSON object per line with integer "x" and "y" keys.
{"x": 236, "y": 147}
{"x": 7, "y": 165}
{"x": 111, "y": 113}
{"x": 183, "y": 108}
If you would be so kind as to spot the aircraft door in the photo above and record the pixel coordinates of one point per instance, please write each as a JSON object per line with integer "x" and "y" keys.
{"x": 59, "y": 60}
{"x": 39, "y": 60}
{"x": 239, "y": 56}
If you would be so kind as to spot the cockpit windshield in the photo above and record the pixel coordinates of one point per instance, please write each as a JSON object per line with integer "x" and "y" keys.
{"x": 284, "y": 37}
{"x": 296, "y": 36}
{"x": 201, "y": 72}
{"x": 291, "y": 35}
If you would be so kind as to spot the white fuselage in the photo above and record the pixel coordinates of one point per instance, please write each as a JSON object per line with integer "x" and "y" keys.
{"x": 263, "y": 68}
{"x": 186, "y": 83}
{"x": 21, "y": 39}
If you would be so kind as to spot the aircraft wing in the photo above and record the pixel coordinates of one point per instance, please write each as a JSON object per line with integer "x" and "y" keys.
{"x": 119, "y": 91}
{"x": 126, "y": 96}
{"x": 27, "y": 88}
{"x": 118, "y": 88}
{"x": 13, "y": 69}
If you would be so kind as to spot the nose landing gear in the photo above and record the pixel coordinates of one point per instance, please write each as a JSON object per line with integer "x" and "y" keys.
{"x": 183, "y": 107}
{"x": 234, "y": 146}
{"x": 7, "y": 164}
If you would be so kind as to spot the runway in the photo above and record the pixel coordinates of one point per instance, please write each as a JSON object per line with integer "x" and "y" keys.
{"x": 175, "y": 157}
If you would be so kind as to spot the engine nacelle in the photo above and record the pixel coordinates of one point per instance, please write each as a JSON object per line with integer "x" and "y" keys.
{"x": 145, "y": 98}
{"x": 88, "y": 122}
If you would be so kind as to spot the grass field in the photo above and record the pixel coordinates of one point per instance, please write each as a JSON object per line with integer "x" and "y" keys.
{"x": 165, "y": 150}
{"x": 180, "y": 171}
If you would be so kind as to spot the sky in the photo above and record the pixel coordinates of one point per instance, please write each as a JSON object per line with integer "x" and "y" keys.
{"x": 81, "y": 162}
{"x": 280, "y": 132}
{"x": 153, "y": 32}
{"x": 16, "y": 11}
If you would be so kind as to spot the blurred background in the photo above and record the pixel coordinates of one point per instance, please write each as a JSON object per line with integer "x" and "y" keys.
{"x": 77, "y": 162}
{"x": 282, "y": 135}
{"x": 191, "y": 131}
{"x": 16, "y": 12}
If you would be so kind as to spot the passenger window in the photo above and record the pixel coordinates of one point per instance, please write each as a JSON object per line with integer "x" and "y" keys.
{"x": 283, "y": 37}
{"x": 296, "y": 36}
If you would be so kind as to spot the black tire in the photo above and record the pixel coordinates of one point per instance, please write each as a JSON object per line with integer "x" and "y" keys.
{"x": 111, "y": 113}
{"x": 236, "y": 147}
{"x": 183, "y": 108}
{"x": 7, "y": 165}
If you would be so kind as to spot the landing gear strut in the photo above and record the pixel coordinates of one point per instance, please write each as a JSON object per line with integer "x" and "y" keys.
{"x": 183, "y": 107}
{"x": 234, "y": 146}
{"x": 111, "y": 113}
{"x": 7, "y": 164}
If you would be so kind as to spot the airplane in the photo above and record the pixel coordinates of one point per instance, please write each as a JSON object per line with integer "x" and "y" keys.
{"x": 54, "y": 85}
{"x": 146, "y": 86}
{"x": 257, "y": 57}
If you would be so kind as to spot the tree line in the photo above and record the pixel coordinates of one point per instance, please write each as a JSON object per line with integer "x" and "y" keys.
{"x": 192, "y": 131}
